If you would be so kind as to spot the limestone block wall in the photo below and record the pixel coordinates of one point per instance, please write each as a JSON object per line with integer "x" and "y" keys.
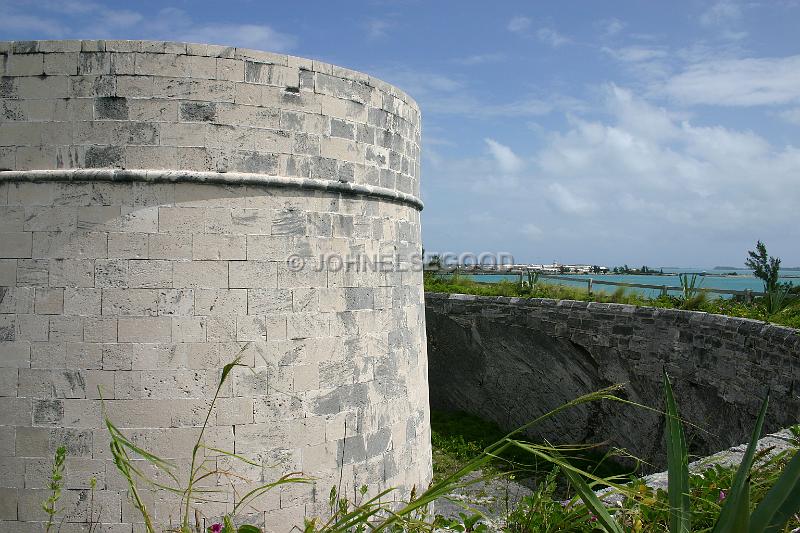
{"x": 167, "y": 206}
{"x": 511, "y": 360}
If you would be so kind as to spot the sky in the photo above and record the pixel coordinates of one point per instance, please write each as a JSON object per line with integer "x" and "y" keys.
{"x": 657, "y": 133}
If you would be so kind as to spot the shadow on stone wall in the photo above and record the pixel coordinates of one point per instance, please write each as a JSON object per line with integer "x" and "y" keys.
{"x": 510, "y": 360}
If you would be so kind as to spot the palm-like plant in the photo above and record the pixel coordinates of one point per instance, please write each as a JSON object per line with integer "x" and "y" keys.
{"x": 775, "y": 510}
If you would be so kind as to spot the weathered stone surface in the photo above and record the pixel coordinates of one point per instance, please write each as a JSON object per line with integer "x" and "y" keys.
{"x": 511, "y": 360}
{"x": 139, "y": 106}
{"x": 137, "y": 286}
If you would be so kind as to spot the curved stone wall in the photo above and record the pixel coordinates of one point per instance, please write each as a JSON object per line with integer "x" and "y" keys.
{"x": 511, "y": 360}
{"x": 167, "y": 206}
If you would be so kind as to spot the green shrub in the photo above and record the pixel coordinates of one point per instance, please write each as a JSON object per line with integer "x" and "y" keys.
{"x": 788, "y": 313}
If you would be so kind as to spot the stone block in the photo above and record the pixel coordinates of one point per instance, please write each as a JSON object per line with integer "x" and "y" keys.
{"x": 8, "y": 504}
{"x": 130, "y": 302}
{"x": 100, "y": 329}
{"x": 200, "y": 274}
{"x": 64, "y": 329}
{"x": 14, "y": 354}
{"x": 219, "y": 247}
{"x": 16, "y": 300}
{"x": 128, "y": 246}
{"x": 307, "y": 325}
{"x": 269, "y": 74}
{"x": 269, "y": 301}
{"x": 82, "y": 301}
{"x": 16, "y": 244}
{"x": 176, "y": 302}
{"x": 71, "y": 272}
{"x": 111, "y": 273}
{"x": 145, "y": 329}
{"x": 229, "y": 69}
{"x": 150, "y": 274}
{"x": 189, "y": 329}
{"x": 229, "y": 302}
{"x": 169, "y": 246}
{"x": 49, "y": 301}
{"x": 25, "y": 65}
{"x": 8, "y": 272}
{"x": 58, "y": 245}
{"x": 162, "y": 65}
{"x": 251, "y": 328}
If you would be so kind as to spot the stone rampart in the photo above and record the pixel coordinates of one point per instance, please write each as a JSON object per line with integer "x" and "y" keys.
{"x": 165, "y": 207}
{"x": 511, "y": 360}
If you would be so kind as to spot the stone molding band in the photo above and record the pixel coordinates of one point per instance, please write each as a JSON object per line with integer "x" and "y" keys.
{"x": 220, "y": 178}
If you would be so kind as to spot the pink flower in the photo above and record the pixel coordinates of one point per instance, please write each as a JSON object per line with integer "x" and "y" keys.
{"x": 722, "y": 496}
{"x": 215, "y": 528}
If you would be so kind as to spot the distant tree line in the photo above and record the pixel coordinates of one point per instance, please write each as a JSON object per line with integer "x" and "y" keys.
{"x": 644, "y": 270}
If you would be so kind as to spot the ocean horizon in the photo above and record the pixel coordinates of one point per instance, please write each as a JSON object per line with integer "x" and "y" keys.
{"x": 713, "y": 279}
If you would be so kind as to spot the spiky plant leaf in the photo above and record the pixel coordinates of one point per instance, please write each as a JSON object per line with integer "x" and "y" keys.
{"x": 677, "y": 466}
{"x": 781, "y": 502}
{"x": 591, "y": 501}
{"x": 738, "y": 500}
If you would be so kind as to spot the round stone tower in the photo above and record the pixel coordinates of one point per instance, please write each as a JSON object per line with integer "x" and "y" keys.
{"x": 165, "y": 207}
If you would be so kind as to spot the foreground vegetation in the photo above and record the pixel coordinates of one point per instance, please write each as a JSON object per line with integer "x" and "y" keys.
{"x": 457, "y": 437}
{"x": 695, "y": 299}
{"x": 762, "y": 495}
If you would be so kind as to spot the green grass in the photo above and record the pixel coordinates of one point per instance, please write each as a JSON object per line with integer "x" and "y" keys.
{"x": 735, "y": 307}
{"x": 457, "y": 437}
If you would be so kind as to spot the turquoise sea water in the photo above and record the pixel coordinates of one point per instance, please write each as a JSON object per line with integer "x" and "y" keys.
{"x": 744, "y": 280}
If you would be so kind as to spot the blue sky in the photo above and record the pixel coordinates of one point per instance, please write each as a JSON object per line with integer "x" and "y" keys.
{"x": 659, "y": 133}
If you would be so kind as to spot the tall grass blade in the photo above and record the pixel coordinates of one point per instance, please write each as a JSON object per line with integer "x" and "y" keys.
{"x": 198, "y": 444}
{"x": 677, "y": 467}
{"x": 261, "y": 489}
{"x": 781, "y": 502}
{"x": 591, "y": 501}
{"x": 739, "y": 495}
{"x": 453, "y": 481}
{"x": 740, "y": 518}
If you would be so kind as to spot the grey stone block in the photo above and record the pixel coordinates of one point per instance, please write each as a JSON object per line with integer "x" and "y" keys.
{"x": 104, "y": 157}
{"x": 111, "y": 108}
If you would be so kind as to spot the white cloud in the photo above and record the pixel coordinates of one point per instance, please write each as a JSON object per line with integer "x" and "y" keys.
{"x": 481, "y": 59}
{"x": 376, "y": 28}
{"x": 245, "y": 35}
{"x": 532, "y": 231}
{"x": 569, "y": 202}
{"x": 176, "y": 24}
{"x": 611, "y": 26}
{"x": 33, "y": 24}
{"x": 724, "y": 16}
{"x": 89, "y": 20}
{"x": 723, "y": 12}
{"x": 551, "y": 37}
{"x": 650, "y": 163}
{"x": 419, "y": 83}
{"x": 645, "y": 181}
{"x": 482, "y": 217}
{"x": 519, "y": 24}
{"x": 120, "y": 18}
{"x": 508, "y": 161}
{"x": 791, "y": 115}
{"x": 442, "y": 94}
{"x": 635, "y": 54}
{"x": 641, "y": 118}
{"x": 738, "y": 82}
